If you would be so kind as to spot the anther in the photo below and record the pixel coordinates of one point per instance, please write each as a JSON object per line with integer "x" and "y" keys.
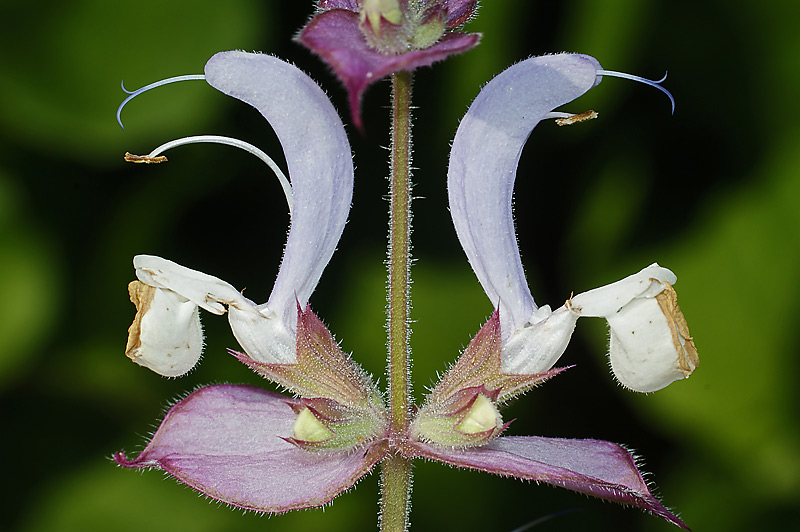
{"x": 146, "y": 159}
{"x": 567, "y": 119}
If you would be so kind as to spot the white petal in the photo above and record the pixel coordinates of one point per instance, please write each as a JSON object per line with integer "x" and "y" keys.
{"x": 260, "y": 331}
{"x": 606, "y": 300}
{"x": 650, "y": 345}
{"x": 536, "y": 348}
{"x": 204, "y": 290}
{"x": 166, "y": 335}
{"x": 645, "y": 356}
{"x": 264, "y": 338}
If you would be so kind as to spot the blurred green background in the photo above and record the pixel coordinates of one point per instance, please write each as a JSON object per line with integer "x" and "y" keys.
{"x": 711, "y": 192}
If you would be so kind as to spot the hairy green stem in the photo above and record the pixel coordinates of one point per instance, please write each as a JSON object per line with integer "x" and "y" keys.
{"x": 399, "y": 251}
{"x": 396, "y": 469}
{"x": 395, "y": 493}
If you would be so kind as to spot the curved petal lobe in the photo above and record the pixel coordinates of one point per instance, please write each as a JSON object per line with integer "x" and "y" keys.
{"x": 228, "y": 442}
{"x": 594, "y": 467}
{"x": 483, "y": 166}
{"x": 318, "y": 158}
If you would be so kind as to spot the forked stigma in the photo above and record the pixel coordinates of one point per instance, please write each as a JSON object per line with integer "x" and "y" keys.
{"x": 137, "y": 92}
{"x": 652, "y": 83}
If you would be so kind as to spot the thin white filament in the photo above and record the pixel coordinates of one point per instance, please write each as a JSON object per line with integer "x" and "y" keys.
{"x": 236, "y": 143}
{"x": 652, "y": 83}
{"x": 137, "y": 92}
{"x": 557, "y": 114}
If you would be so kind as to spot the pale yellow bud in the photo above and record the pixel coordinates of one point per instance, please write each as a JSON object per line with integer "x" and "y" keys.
{"x": 308, "y": 428}
{"x": 482, "y": 416}
{"x": 374, "y": 10}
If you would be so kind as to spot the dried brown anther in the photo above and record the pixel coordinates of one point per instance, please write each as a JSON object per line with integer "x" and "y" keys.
{"x": 574, "y": 119}
{"x": 131, "y": 158}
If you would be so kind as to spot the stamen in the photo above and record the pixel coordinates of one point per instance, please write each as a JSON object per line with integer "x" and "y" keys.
{"x": 155, "y": 156}
{"x": 567, "y": 119}
{"x": 640, "y": 79}
{"x": 146, "y": 88}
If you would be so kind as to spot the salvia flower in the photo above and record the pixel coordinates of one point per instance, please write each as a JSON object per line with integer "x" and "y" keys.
{"x": 516, "y": 349}
{"x": 366, "y": 40}
{"x": 320, "y": 165}
{"x": 243, "y": 445}
{"x": 650, "y": 343}
{"x": 262, "y": 451}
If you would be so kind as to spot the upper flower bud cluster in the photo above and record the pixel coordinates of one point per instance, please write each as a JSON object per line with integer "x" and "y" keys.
{"x": 366, "y": 40}
{"x": 396, "y": 26}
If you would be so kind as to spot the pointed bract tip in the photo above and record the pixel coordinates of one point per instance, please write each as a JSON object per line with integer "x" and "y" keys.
{"x": 121, "y": 460}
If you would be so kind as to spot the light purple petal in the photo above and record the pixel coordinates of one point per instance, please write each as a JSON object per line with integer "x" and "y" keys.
{"x": 318, "y": 158}
{"x": 483, "y": 167}
{"x": 226, "y": 441}
{"x": 336, "y": 38}
{"x": 599, "y": 468}
{"x": 459, "y": 11}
